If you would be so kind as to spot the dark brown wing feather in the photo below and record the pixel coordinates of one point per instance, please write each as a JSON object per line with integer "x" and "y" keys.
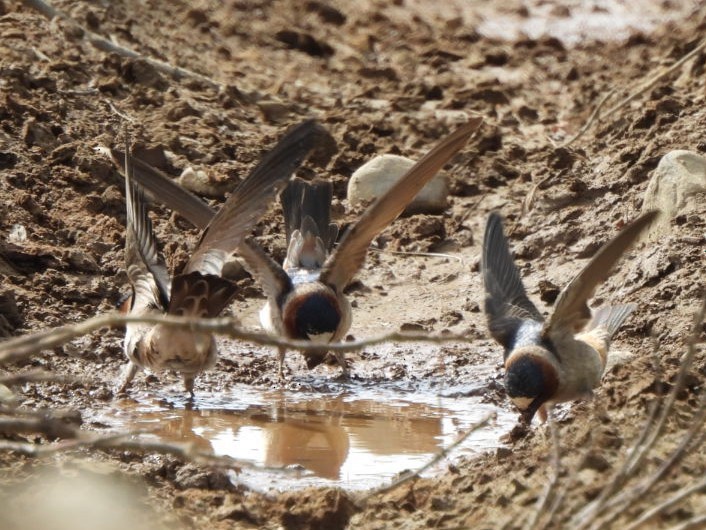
{"x": 200, "y": 295}
{"x": 249, "y": 201}
{"x": 268, "y": 273}
{"x": 350, "y": 254}
{"x": 506, "y": 303}
{"x": 145, "y": 267}
{"x": 168, "y": 192}
{"x": 571, "y": 310}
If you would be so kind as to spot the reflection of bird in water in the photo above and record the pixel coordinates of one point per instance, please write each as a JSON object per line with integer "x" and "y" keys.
{"x": 315, "y": 434}
{"x": 178, "y": 425}
{"x": 319, "y": 447}
{"x": 390, "y": 429}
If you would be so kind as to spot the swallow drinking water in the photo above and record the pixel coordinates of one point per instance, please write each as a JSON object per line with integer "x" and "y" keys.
{"x": 562, "y": 358}
{"x": 199, "y": 290}
{"x": 305, "y": 296}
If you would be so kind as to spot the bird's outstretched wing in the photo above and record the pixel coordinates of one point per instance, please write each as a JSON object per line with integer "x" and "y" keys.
{"x": 145, "y": 267}
{"x": 347, "y": 259}
{"x": 571, "y": 310}
{"x": 507, "y": 306}
{"x": 248, "y": 202}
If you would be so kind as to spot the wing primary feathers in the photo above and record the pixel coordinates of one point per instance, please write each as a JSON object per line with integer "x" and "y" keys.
{"x": 571, "y": 308}
{"x": 140, "y": 242}
{"x": 164, "y": 189}
{"x": 249, "y": 201}
{"x": 349, "y": 256}
{"x": 507, "y": 306}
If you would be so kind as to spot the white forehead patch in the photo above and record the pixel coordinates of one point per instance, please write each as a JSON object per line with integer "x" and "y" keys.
{"x": 320, "y": 338}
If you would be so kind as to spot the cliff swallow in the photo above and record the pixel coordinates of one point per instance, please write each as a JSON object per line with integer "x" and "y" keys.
{"x": 562, "y": 358}
{"x": 305, "y": 296}
{"x": 199, "y": 290}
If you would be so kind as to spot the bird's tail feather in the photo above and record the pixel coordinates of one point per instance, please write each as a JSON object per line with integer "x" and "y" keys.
{"x": 610, "y": 317}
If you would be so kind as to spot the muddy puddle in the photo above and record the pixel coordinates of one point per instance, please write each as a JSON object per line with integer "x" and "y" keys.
{"x": 356, "y": 438}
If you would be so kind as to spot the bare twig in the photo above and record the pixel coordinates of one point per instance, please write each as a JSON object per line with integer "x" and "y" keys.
{"x": 607, "y": 505}
{"x": 105, "y": 45}
{"x": 641, "y": 90}
{"x": 437, "y": 458}
{"x": 36, "y": 376}
{"x": 697, "y": 521}
{"x": 592, "y": 118}
{"x": 680, "y": 495}
{"x": 539, "y": 509}
{"x": 22, "y": 347}
{"x": 639, "y": 451}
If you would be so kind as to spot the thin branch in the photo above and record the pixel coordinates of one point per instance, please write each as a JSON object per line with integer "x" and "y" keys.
{"x": 27, "y": 345}
{"x": 697, "y": 521}
{"x": 639, "y": 451}
{"x": 609, "y": 505}
{"x": 672, "y": 501}
{"x": 437, "y": 458}
{"x": 592, "y": 118}
{"x": 105, "y": 45}
{"x": 36, "y": 376}
{"x": 540, "y": 507}
{"x": 641, "y": 90}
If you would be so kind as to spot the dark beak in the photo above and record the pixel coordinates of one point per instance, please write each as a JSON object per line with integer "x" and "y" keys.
{"x": 530, "y": 411}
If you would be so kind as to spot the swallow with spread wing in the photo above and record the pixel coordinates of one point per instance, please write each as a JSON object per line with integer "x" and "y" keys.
{"x": 305, "y": 297}
{"x": 199, "y": 290}
{"x": 563, "y": 358}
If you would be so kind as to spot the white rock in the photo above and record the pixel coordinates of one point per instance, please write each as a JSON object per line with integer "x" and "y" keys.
{"x": 375, "y": 177}
{"x": 199, "y": 182}
{"x": 678, "y": 178}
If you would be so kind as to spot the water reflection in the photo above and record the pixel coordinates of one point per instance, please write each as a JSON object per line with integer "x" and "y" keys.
{"x": 356, "y": 439}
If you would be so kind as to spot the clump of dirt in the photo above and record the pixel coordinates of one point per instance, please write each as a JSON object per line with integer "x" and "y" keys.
{"x": 383, "y": 78}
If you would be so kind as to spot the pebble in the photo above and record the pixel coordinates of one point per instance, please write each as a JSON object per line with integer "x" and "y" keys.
{"x": 377, "y": 176}
{"x": 678, "y": 178}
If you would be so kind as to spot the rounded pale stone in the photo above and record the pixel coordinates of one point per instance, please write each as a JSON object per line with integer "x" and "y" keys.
{"x": 678, "y": 180}
{"x": 377, "y": 176}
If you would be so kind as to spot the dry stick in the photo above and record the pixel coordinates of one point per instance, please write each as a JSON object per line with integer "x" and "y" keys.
{"x": 36, "y": 376}
{"x": 645, "y": 87}
{"x": 625, "y": 501}
{"x": 621, "y": 502}
{"x": 680, "y": 495}
{"x": 105, "y": 45}
{"x": 25, "y": 346}
{"x": 542, "y": 501}
{"x": 437, "y": 458}
{"x": 697, "y": 521}
{"x": 679, "y": 384}
{"x": 635, "y": 456}
{"x": 75, "y": 438}
{"x": 593, "y": 117}
{"x": 416, "y": 254}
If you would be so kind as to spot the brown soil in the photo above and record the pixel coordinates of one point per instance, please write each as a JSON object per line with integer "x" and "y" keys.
{"x": 383, "y": 78}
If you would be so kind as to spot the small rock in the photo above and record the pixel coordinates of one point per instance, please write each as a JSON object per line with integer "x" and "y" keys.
{"x": 82, "y": 261}
{"x": 39, "y": 134}
{"x": 9, "y": 309}
{"x": 678, "y": 178}
{"x": 181, "y": 110}
{"x": 273, "y": 111}
{"x": 191, "y": 476}
{"x": 378, "y": 175}
{"x": 199, "y": 182}
{"x": 18, "y": 234}
{"x": 548, "y": 292}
